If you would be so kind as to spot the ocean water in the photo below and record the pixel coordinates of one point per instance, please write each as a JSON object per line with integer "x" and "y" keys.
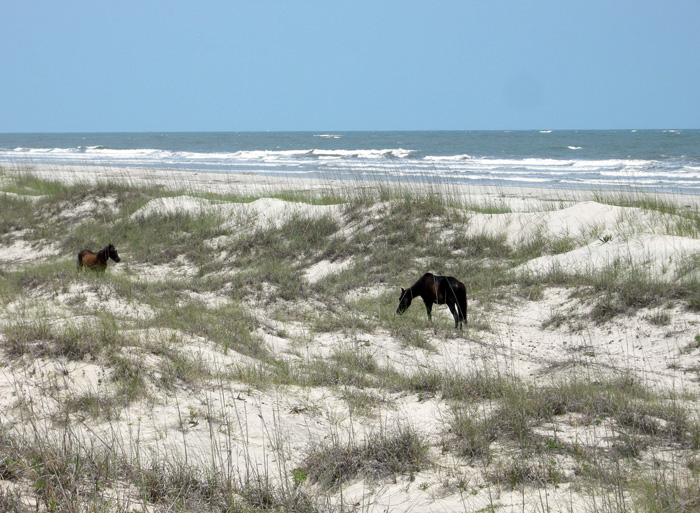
{"x": 651, "y": 160}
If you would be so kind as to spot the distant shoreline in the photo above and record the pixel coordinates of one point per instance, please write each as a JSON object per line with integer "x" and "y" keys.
{"x": 520, "y": 198}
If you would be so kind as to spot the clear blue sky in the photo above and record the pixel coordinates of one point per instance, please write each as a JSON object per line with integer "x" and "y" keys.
{"x": 168, "y": 65}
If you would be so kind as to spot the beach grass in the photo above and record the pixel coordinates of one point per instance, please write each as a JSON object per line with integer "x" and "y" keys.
{"x": 174, "y": 379}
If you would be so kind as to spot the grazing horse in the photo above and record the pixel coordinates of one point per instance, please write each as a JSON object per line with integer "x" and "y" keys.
{"x": 437, "y": 289}
{"x": 97, "y": 261}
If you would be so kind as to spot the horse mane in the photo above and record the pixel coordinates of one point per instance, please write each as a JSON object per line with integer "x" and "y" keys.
{"x": 411, "y": 289}
{"x": 104, "y": 253}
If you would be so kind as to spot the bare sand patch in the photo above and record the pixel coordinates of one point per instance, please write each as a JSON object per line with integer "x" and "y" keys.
{"x": 89, "y": 207}
{"x": 324, "y": 268}
{"x": 582, "y": 221}
{"x": 21, "y": 251}
{"x": 178, "y": 269}
{"x": 261, "y": 212}
{"x": 659, "y": 255}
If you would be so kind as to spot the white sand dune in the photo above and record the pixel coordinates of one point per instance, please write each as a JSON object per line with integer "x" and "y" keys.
{"x": 264, "y": 211}
{"x": 657, "y": 255}
{"x": 583, "y": 221}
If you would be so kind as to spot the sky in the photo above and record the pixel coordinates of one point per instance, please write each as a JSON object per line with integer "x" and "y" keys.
{"x": 259, "y": 65}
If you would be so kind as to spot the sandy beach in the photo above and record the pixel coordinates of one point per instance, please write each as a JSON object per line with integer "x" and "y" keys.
{"x": 536, "y": 331}
{"x": 516, "y": 198}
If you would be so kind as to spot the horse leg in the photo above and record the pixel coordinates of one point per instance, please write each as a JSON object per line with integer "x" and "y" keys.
{"x": 463, "y": 311}
{"x": 429, "y": 309}
{"x": 462, "y": 302}
{"x": 455, "y": 314}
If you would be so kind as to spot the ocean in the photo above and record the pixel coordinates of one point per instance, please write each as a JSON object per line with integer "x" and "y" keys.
{"x": 624, "y": 160}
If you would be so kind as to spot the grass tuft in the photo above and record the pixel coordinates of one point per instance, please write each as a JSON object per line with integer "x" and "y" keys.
{"x": 401, "y": 450}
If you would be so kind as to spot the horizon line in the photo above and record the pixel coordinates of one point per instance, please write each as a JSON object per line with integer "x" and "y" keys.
{"x": 325, "y": 131}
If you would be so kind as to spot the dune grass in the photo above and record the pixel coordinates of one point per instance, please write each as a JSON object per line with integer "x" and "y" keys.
{"x": 394, "y": 450}
{"x": 506, "y": 428}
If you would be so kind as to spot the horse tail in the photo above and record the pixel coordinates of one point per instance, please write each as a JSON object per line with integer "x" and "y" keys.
{"x": 80, "y": 260}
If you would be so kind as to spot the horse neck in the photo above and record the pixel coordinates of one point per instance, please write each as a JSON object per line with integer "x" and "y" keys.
{"x": 103, "y": 254}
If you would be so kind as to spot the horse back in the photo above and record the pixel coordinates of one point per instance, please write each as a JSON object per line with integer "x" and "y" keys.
{"x": 89, "y": 259}
{"x": 448, "y": 286}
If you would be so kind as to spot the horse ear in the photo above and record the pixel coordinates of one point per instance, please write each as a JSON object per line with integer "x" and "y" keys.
{"x": 402, "y": 290}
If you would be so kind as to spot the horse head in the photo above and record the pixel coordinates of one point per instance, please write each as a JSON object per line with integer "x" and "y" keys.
{"x": 404, "y": 300}
{"x": 112, "y": 253}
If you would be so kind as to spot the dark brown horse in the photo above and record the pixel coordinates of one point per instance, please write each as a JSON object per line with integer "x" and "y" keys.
{"x": 437, "y": 289}
{"x": 97, "y": 261}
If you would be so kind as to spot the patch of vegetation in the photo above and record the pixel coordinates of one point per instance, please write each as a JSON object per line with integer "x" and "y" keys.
{"x": 16, "y": 215}
{"x": 637, "y": 411}
{"x": 73, "y": 341}
{"x": 466, "y": 387}
{"x": 473, "y": 432}
{"x": 359, "y": 401}
{"x": 345, "y": 368}
{"x": 401, "y": 450}
{"x": 662, "y": 492}
{"x": 161, "y": 238}
{"x": 230, "y": 325}
{"x": 617, "y": 289}
{"x": 518, "y": 474}
{"x": 68, "y": 476}
{"x": 660, "y": 318}
{"x": 555, "y": 320}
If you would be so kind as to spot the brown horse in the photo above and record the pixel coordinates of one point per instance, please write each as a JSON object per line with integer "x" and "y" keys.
{"x": 97, "y": 261}
{"x": 437, "y": 289}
